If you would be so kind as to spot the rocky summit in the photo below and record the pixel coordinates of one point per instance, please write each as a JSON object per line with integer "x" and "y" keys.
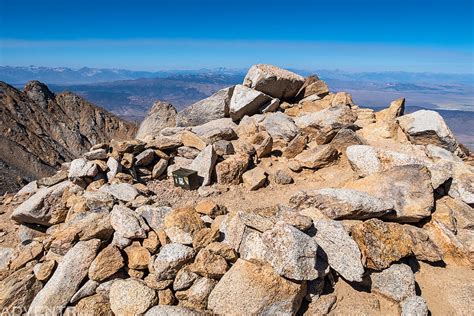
{"x": 306, "y": 204}
{"x": 40, "y": 130}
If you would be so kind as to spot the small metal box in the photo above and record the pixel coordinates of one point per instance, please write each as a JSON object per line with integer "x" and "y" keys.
{"x": 186, "y": 179}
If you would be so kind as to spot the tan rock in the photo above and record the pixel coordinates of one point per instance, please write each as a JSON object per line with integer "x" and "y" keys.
{"x": 24, "y": 254}
{"x": 230, "y": 170}
{"x": 249, "y": 288}
{"x": 97, "y": 304}
{"x": 223, "y": 250}
{"x": 295, "y": 146}
{"x": 159, "y": 168}
{"x": 107, "y": 262}
{"x": 342, "y": 99}
{"x": 317, "y": 157}
{"x": 153, "y": 283}
{"x": 453, "y": 247}
{"x": 254, "y": 179}
{"x": 182, "y": 224}
{"x": 18, "y": 290}
{"x": 136, "y": 274}
{"x": 151, "y": 243}
{"x": 196, "y": 296}
{"x": 131, "y": 297}
{"x": 263, "y": 144}
{"x": 190, "y": 139}
{"x": 138, "y": 256}
{"x": 127, "y": 160}
{"x": 313, "y": 86}
{"x": 44, "y": 270}
{"x": 166, "y": 297}
{"x": 209, "y": 264}
{"x": 82, "y": 226}
{"x": 382, "y": 243}
{"x": 205, "y": 237}
{"x": 211, "y": 208}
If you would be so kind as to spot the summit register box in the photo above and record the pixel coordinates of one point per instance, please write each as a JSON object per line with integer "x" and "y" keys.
{"x": 186, "y": 179}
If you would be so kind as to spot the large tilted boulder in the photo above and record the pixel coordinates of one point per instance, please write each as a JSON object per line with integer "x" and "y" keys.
{"x": 204, "y": 164}
{"x": 426, "y": 127}
{"x": 160, "y": 116}
{"x": 211, "y": 108}
{"x": 276, "y": 82}
{"x": 339, "y": 249}
{"x": 290, "y": 252}
{"x": 66, "y": 279}
{"x": 213, "y": 131}
{"x": 249, "y": 288}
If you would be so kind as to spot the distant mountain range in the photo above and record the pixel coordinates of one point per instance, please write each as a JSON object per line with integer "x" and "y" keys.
{"x": 85, "y": 75}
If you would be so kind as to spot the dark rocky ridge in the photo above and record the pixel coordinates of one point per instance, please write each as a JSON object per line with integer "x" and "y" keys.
{"x": 40, "y": 130}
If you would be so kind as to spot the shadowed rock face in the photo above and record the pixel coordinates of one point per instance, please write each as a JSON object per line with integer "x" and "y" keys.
{"x": 40, "y": 130}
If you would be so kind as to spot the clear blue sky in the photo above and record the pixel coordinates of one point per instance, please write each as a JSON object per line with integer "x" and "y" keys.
{"x": 416, "y": 35}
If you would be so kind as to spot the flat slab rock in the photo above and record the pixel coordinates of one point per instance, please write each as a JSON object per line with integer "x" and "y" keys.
{"x": 340, "y": 203}
{"x": 408, "y": 187}
{"x": 35, "y": 211}
{"x": 121, "y": 191}
{"x": 249, "y": 288}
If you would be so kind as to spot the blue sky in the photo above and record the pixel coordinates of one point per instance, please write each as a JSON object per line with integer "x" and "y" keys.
{"x": 416, "y": 35}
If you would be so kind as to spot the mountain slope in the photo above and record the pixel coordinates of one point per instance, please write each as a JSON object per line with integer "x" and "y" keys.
{"x": 39, "y": 130}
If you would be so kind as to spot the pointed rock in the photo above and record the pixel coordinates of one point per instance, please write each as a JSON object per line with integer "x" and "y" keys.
{"x": 211, "y": 108}
{"x": 160, "y": 116}
{"x": 204, "y": 164}
{"x": 246, "y": 101}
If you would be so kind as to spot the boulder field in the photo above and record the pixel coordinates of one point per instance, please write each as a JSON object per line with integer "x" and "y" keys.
{"x": 307, "y": 204}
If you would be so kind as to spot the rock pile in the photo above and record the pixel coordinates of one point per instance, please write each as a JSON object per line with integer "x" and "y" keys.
{"x": 95, "y": 239}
